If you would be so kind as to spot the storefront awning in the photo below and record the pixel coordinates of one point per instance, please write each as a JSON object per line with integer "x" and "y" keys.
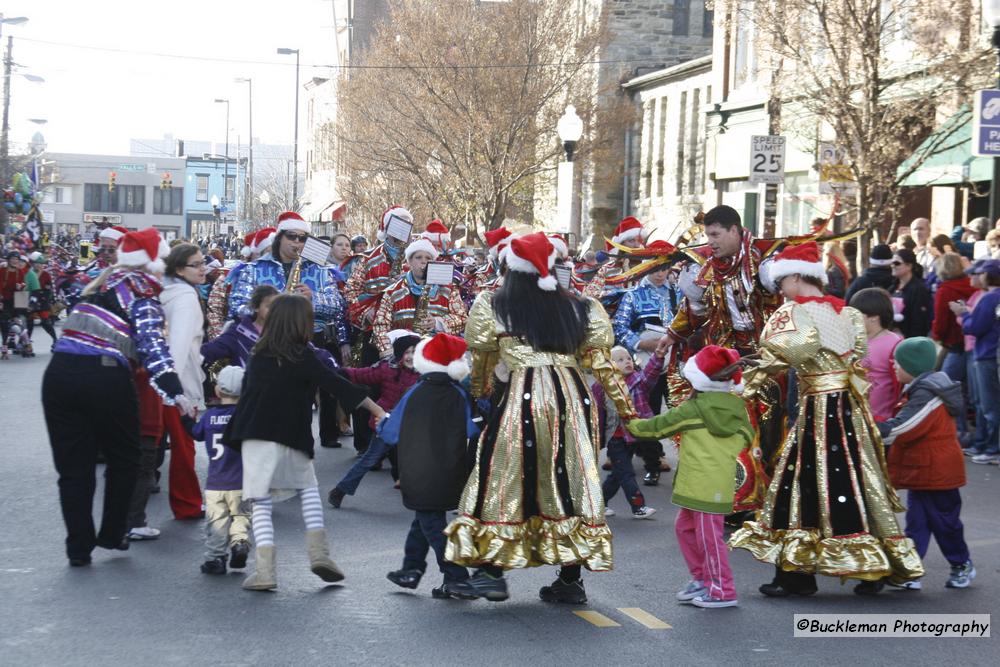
{"x": 332, "y": 212}
{"x": 947, "y": 156}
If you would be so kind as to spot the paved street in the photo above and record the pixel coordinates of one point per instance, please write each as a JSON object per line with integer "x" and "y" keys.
{"x": 151, "y": 605}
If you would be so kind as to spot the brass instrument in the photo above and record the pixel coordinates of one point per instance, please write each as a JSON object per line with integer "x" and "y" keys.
{"x": 294, "y": 275}
{"x": 420, "y": 312}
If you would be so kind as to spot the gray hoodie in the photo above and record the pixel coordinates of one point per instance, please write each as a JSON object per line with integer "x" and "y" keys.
{"x": 925, "y": 393}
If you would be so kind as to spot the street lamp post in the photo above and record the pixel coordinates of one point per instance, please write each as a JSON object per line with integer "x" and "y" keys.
{"x": 249, "y": 195}
{"x": 8, "y": 63}
{"x": 991, "y": 12}
{"x": 225, "y": 178}
{"x": 295, "y": 148}
{"x": 570, "y": 129}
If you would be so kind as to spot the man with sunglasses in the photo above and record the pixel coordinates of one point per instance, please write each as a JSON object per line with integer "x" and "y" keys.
{"x": 107, "y": 251}
{"x": 314, "y": 281}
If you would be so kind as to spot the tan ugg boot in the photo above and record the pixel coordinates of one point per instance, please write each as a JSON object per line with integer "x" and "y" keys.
{"x": 265, "y": 578}
{"x": 319, "y": 557}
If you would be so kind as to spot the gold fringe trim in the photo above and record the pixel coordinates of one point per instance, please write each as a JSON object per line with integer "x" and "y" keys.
{"x": 861, "y": 556}
{"x": 536, "y": 542}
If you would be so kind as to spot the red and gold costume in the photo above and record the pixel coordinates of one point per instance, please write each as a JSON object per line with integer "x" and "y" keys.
{"x": 368, "y": 281}
{"x": 399, "y": 304}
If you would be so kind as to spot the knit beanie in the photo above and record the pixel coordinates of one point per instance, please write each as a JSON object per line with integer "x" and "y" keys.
{"x": 402, "y": 344}
{"x": 916, "y": 355}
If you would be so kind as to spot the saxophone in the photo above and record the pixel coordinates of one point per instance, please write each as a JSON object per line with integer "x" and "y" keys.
{"x": 420, "y": 312}
{"x": 294, "y": 275}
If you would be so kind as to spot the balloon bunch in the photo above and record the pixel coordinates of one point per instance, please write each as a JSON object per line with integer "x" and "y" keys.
{"x": 20, "y": 197}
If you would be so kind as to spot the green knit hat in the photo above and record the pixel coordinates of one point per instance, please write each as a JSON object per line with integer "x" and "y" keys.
{"x": 916, "y": 355}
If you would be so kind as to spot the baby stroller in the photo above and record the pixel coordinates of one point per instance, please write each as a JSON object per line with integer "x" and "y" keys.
{"x": 18, "y": 341}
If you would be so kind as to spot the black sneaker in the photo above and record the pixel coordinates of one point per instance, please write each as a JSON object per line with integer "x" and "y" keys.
{"x": 449, "y": 591}
{"x": 869, "y": 588}
{"x": 651, "y": 479}
{"x": 481, "y": 585}
{"x": 405, "y": 578}
{"x": 776, "y": 590}
{"x": 330, "y": 444}
{"x": 336, "y": 497}
{"x": 568, "y": 592}
{"x": 79, "y": 562}
{"x": 238, "y": 555}
{"x": 214, "y": 566}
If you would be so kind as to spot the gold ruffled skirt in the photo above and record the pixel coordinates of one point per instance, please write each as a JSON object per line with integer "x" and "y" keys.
{"x": 534, "y": 497}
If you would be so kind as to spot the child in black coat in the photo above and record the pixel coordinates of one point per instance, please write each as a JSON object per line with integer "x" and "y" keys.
{"x": 431, "y": 426}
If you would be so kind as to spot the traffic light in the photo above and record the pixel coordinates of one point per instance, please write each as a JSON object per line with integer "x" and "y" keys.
{"x": 167, "y": 181}
{"x": 112, "y": 177}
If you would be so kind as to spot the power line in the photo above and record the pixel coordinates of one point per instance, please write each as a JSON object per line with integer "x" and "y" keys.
{"x": 235, "y": 61}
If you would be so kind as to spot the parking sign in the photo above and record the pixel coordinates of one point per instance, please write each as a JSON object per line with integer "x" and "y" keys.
{"x": 986, "y": 124}
{"x": 767, "y": 159}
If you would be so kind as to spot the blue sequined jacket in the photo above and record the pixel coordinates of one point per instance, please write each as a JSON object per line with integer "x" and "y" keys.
{"x": 641, "y": 305}
{"x": 124, "y": 320}
{"x": 329, "y": 306}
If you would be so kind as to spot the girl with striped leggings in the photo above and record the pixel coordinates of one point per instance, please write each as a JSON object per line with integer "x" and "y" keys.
{"x": 272, "y": 427}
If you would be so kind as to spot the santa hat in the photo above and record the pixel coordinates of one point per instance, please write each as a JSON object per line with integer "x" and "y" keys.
{"x": 497, "y": 240}
{"x": 421, "y": 244}
{"x": 711, "y": 359}
{"x": 443, "y": 353}
{"x": 559, "y": 243}
{"x": 263, "y": 239}
{"x": 437, "y": 234}
{"x": 533, "y": 253}
{"x": 247, "y": 248}
{"x": 628, "y": 228}
{"x": 389, "y": 213}
{"x": 290, "y": 221}
{"x": 114, "y": 233}
{"x": 144, "y": 248}
{"x": 804, "y": 260}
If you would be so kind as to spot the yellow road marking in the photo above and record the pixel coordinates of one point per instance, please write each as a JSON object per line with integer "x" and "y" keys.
{"x": 598, "y": 619}
{"x": 644, "y": 617}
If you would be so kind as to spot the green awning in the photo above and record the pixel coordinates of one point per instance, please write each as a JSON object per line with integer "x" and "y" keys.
{"x": 949, "y": 159}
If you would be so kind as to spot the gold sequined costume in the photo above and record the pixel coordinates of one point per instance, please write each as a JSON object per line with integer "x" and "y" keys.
{"x": 830, "y": 508}
{"x": 534, "y": 496}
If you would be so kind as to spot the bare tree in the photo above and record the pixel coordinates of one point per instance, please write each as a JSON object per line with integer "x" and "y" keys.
{"x": 882, "y": 74}
{"x": 455, "y": 111}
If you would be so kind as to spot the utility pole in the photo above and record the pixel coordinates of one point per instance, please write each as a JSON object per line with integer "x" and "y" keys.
{"x": 4, "y": 147}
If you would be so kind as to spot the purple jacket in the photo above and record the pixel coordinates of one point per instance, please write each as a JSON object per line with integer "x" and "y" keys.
{"x": 394, "y": 381}
{"x": 236, "y": 344}
{"x": 639, "y": 385}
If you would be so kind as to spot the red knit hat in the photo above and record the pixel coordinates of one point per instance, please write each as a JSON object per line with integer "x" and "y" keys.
{"x": 437, "y": 234}
{"x": 533, "y": 253}
{"x": 711, "y": 359}
{"x": 804, "y": 260}
{"x": 144, "y": 248}
{"x": 115, "y": 233}
{"x": 443, "y": 353}
{"x": 628, "y": 228}
{"x": 497, "y": 239}
{"x": 290, "y": 221}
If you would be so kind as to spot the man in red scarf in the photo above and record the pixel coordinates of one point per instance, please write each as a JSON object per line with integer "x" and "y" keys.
{"x": 726, "y": 302}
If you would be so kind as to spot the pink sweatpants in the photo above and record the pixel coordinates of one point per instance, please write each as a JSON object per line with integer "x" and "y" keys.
{"x": 703, "y": 545}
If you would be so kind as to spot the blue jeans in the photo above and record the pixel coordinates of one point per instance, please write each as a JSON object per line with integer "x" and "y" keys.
{"x": 988, "y": 388}
{"x": 954, "y": 367}
{"x": 622, "y": 474}
{"x": 377, "y": 448}
{"x": 979, "y": 434}
{"x": 427, "y": 532}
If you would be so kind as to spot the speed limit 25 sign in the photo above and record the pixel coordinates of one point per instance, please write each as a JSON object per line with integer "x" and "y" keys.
{"x": 767, "y": 159}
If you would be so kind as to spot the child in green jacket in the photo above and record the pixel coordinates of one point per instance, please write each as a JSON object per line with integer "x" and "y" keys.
{"x": 715, "y": 428}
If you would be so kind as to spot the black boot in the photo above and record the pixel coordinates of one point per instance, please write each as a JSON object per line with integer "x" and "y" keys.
{"x": 405, "y": 578}
{"x": 651, "y": 479}
{"x": 567, "y": 592}
{"x": 214, "y": 566}
{"x": 336, "y": 497}
{"x": 789, "y": 583}
{"x": 869, "y": 588}
{"x": 238, "y": 555}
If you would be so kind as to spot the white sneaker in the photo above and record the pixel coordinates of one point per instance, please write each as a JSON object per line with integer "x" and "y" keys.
{"x": 986, "y": 459}
{"x": 706, "y": 601}
{"x": 906, "y": 585}
{"x": 643, "y": 512}
{"x": 143, "y": 533}
{"x": 693, "y": 589}
{"x": 609, "y": 512}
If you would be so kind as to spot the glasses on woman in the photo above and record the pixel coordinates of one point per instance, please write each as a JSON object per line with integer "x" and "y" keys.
{"x": 196, "y": 265}
{"x": 296, "y": 238}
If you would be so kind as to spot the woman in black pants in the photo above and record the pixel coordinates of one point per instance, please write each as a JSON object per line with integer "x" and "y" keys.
{"x": 89, "y": 396}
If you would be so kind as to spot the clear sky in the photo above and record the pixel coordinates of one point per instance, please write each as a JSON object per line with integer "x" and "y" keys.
{"x": 96, "y": 99}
